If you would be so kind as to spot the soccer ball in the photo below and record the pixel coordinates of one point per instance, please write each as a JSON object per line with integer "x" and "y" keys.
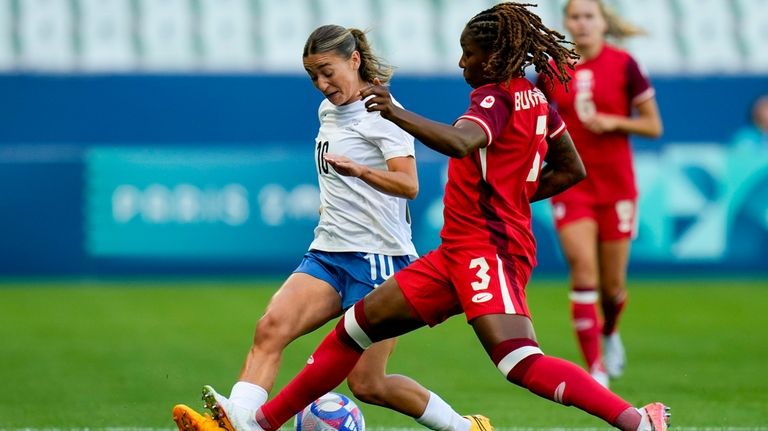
{"x": 331, "y": 412}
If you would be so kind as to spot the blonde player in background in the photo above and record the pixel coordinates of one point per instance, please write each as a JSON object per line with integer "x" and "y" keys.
{"x": 367, "y": 172}
{"x": 609, "y": 99}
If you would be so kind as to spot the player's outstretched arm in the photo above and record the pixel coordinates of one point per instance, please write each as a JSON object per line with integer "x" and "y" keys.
{"x": 458, "y": 140}
{"x": 563, "y": 169}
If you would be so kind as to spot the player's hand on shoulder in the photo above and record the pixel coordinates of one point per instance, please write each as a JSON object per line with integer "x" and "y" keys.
{"x": 344, "y": 166}
{"x": 378, "y": 98}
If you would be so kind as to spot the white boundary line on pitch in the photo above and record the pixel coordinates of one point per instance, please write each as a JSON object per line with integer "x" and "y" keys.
{"x": 399, "y": 429}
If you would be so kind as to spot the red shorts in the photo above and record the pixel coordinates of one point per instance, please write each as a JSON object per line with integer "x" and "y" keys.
{"x": 445, "y": 282}
{"x": 615, "y": 221}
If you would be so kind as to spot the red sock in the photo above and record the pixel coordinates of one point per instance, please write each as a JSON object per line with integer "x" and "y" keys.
{"x": 612, "y": 309}
{"x": 586, "y": 324}
{"x": 329, "y": 365}
{"x": 564, "y": 382}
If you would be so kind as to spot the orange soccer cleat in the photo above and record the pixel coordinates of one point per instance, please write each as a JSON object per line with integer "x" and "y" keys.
{"x": 479, "y": 423}
{"x": 187, "y": 419}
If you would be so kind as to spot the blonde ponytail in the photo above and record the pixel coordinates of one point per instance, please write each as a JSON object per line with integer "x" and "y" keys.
{"x": 618, "y": 27}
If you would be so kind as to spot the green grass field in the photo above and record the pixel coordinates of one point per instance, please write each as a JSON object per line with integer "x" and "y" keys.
{"x": 120, "y": 354}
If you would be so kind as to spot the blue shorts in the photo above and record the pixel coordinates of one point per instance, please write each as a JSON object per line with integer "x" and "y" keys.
{"x": 352, "y": 274}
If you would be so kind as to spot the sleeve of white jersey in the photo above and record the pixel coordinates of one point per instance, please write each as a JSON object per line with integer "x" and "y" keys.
{"x": 392, "y": 140}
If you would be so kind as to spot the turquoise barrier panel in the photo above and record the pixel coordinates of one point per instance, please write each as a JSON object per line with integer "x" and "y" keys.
{"x": 193, "y": 203}
{"x": 701, "y": 205}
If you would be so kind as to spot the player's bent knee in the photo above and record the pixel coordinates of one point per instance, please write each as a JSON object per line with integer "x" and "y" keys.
{"x": 613, "y": 289}
{"x": 366, "y": 389}
{"x": 513, "y": 358}
{"x": 271, "y": 331}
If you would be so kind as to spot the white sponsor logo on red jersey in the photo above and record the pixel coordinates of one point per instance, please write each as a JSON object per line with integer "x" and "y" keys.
{"x": 482, "y": 297}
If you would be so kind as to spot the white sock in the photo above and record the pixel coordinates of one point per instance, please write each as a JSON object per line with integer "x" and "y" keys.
{"x": 645, "y": 421}
{"x": 248, "y": 395}
{"x": 440, "y": 416}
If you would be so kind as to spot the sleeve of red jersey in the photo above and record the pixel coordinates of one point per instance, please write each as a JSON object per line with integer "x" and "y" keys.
{"x": 555, "y": 124}
{"x": 638, "y": 86}
{"x": 491, "y": 108}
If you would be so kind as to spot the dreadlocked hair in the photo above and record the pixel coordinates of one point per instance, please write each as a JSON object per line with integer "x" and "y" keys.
{"x": 516, "y": 38}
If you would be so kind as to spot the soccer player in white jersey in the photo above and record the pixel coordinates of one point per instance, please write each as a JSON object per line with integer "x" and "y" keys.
{"x": 367, "y": 172}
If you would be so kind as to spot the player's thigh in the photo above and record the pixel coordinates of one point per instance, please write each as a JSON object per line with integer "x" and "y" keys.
{"x": 386, "y": 311}
{"x": 302, "y": 304}
{"x": 424, "y": 292}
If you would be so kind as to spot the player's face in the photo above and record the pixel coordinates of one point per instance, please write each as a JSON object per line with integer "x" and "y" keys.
{"x": 760, "y": 114}
{"x": 336, "y": 77}
{"x": 473, "y": 60}
{"x": 585, "y": 22}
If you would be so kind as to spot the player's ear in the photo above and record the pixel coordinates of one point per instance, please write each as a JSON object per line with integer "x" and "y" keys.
{"x": 355, "y": 59}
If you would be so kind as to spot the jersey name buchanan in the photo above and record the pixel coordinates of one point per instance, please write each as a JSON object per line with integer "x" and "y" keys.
{"x": 527, "y": 99}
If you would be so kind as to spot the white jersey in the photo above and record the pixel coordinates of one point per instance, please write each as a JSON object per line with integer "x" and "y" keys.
{"x": 354, "y": 216}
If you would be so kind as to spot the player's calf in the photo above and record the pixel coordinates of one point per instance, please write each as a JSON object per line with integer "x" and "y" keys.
{"x": 522, "y": 362}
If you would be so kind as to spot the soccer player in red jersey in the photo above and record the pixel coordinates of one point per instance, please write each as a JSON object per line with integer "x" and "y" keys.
{"x": 487, "y": 252}
{"x": 608, "y": 99}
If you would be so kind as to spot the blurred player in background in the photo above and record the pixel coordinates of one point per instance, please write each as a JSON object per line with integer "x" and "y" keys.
{"x": 609, "y": 98}
{"x": 367, "y": 171}
{"x": 487, "y": 252}
{"x": 754, "y": 137}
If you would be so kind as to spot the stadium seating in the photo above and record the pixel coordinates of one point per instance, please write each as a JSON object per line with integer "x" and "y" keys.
{"x": 227, "y": 23}
{"x": 6, "y": 36}
{"x": 165, "y": 28}
{"x": 753, "y": 30}
{"x": 407, "y": 33}
{"x": 451, "y": 20}
{"x": 106, "y": 34}
{"x": 418, "y": 36}
{"x": 349, "y": 13}
{"x": 659, "y": 49}
{"x": 283, "y": 29}
{"x": 709, "y": 36}
{"x": 45, "y": 32}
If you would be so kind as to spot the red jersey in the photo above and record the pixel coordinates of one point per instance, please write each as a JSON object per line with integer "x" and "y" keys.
{"x": 610, "y": 83}
{"x": 487, "y": 194}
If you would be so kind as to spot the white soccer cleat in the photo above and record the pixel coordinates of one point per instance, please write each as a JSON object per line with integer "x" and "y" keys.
{"x": 614, "y": 356}
{"x": 656, "y": 417}
{"x": 229, "y": 416}
{"x": 598, "y": 373}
